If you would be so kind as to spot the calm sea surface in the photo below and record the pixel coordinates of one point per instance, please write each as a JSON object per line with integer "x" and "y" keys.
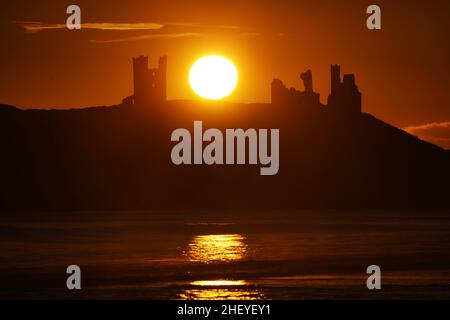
{"x": 194, "y": 255}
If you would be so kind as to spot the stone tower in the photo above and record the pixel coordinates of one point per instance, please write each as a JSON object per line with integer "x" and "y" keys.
{"x": 149, "y": 84}
{"x": 345, "y": 98}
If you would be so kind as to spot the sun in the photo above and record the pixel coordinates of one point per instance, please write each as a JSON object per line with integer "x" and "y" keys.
{"x": 213, "y": 77}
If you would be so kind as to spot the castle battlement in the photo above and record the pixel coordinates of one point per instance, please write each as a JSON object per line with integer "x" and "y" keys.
{"x": 344, "y": 97}
{"x": 281, "y": 94}
{"x": 149, "y": 84}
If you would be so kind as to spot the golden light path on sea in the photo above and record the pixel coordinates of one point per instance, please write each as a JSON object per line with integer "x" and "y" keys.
{"x": 218, "y": 248}
{"x": 221, "y": 290}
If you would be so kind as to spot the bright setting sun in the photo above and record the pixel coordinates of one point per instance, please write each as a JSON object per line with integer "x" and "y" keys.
{"x": 213, "y": 77}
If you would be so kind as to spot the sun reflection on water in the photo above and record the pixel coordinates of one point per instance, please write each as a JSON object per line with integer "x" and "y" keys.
{"x": 218, "y": 283}
{"x": 221, "y": 290}
{"x": 217, "y": 248}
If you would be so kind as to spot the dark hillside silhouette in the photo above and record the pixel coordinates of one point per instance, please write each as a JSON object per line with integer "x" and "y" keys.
{"x": 117, "y": 158}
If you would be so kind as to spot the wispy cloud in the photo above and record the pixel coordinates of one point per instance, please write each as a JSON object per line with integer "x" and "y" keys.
{"x": 200, "y": 25}
{"x": 150, "y": 36}
{"x": 437, "y": 133}
{"x": 172, "y": 30}
{"x": 34, "y": 26}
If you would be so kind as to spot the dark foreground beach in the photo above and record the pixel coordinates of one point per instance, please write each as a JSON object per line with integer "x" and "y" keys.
{"x": 234, "y": 255}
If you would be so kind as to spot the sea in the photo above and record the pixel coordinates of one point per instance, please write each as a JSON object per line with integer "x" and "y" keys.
{"x": 249, "y": 255}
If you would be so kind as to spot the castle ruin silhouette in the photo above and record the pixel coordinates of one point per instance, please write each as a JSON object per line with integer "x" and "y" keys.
{"x": 150, "y": 87}
{"x": 116, "y": 158}
{"x": 345, "y": 98}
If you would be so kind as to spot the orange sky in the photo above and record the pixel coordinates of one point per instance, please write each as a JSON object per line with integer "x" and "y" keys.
{"x": 402, "y": 70}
